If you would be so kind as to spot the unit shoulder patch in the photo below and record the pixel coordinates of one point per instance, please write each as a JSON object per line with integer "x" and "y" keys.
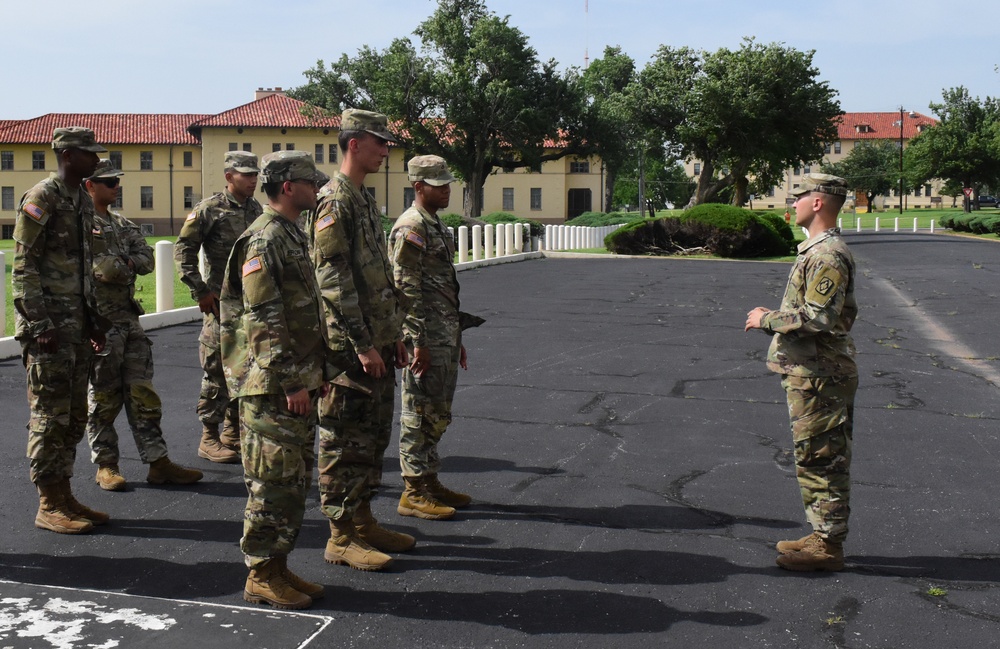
{"x": 824, "y": 286}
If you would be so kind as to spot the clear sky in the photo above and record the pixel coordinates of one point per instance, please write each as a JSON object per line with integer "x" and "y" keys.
{"x": 206, "y": 56}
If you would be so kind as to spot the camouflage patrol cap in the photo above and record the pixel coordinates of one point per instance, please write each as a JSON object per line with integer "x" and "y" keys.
{"x": 430, "y": 169}
{"x": 354, "y": 119}
{"x": 821, "y": 183}
{"x": 106, "y": 169}
{"x": 243, "y": 162}
{"x": 75, "y": 137}
{"x": 280, "y": 166}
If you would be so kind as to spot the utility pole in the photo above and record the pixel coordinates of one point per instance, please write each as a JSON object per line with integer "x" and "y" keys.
{"x": 900, "y": 159}
{"x": 642, "y": 187}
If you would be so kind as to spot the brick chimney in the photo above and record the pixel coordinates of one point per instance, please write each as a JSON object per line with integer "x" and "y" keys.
{"x": 267, "y": 92}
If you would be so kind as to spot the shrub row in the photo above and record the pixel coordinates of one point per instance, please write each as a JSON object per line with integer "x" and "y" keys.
{"x": 974, "y": 223}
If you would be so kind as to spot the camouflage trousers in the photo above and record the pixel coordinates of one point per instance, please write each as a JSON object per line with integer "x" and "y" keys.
{"x": 278, "y": 460}
{"x": 821, "y": 410}
{"x": 124, "y": 377}
{"x": 426, "y": 412}
{"x": 57, "y": 396}
{"x": 214, "y": 406}
{"x": 354, "y": 431}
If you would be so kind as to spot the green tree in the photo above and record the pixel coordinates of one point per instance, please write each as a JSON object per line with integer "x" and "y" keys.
{"x": 609, "y": 126}
{"x": 871, "y": 168}
{"x": 475, "y": 94}
{"x": 665, "y": 183}
{"x": 746, "y": 113}
{"x": 964, "y": 146}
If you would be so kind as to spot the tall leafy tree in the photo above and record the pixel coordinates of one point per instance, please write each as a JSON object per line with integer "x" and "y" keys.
{"x": 664, "y": 182}
{"x": 475, "y": 93}
{"x": 871, "y": 168}
{"x": 746, "y": 113}
{"x": 964, "y": 146}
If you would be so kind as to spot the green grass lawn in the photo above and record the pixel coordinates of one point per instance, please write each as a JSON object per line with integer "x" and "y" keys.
{"x": 145, "y": 285}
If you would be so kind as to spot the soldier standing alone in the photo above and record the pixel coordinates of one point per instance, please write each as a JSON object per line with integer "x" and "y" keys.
{"x": 213, "y": 226}
{"x": 813, "y": 352}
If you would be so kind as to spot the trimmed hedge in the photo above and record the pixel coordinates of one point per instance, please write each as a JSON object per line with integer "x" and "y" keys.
{"x": 600, "y": 219}
{"x": 537, "y": 229}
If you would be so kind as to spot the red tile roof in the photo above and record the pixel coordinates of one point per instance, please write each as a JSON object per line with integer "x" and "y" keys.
{"x": 109, "y": 128}
{"x": 4, "y": 123}
{"x": 276, "y": 110}
{"x": 881, "y": 126}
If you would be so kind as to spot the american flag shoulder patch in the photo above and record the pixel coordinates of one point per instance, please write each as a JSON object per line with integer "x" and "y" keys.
{"x": 325, "y": 222}
{"x": 190, "y": 217}
{"x": 415, "y": 239}
{"x": 34, "y": 211}
{"x": 251, "y": 266}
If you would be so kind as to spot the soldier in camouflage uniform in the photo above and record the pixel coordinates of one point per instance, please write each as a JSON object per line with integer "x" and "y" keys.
{"x": 274, "y": 351}
{"x": 423, "y": 255}
{"x": 364, "y": 324}
{"x": 813, "y": 352}
{"x": 123, "y": 375}
{"x": 57, "y": 324}
{"x": 213, "y": 226}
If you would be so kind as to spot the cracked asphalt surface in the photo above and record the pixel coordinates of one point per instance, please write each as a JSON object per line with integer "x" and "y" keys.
{"x": 631, "y": 466}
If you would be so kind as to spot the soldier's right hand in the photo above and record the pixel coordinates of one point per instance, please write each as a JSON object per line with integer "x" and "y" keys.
{"x": 48, "y": 341}
{"x": 209, "y": 303}
{"x": 300, "y": 402}
{"x": 372, "y": 363}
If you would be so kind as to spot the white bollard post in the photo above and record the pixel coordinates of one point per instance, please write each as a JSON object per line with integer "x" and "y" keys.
{"x": 549, "y": 230}
{"x": 914, "y": 224}
{"x": 519, "y": 237}
{"x": 477, "y": 242}
{"x": 557, "y": 240}
{"x": 508, "y": 238}
{"x": 932, "y": 226}
{"x": 163, "y": 253}
{"x": 501, "y": 239}
{"x": 3, "y": 294}
{"x": 840, "y": 223}
{"x": 876, "y": 223}
{"x": 858, "y": 219}
{"x": 488, "y": 238}
{"x": 896, "y": 226}
{"x": 463, "y": 244}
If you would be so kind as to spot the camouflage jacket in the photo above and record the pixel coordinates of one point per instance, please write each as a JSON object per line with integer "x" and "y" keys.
{"x": 273, "y": 337}
{"x": 214, "y": 225}
{"x": 812, "y": 327}
{"x": 116, "y": 241}
{"x": 51, "y": 280}
{"x": 423, "y": 266}
{"x": 352, "y": 267}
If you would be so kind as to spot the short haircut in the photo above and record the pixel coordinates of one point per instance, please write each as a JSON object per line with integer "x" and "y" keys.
{"x": 835, "y": 200}
{"x": 273, "y": 189}
{"x": 345, "y": 138}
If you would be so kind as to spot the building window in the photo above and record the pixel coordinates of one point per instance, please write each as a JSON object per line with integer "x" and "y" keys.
{"x": 188, "y": 159}
{"x": 807, "y": 170}
{"x": 770, "y": 192}
{"x": 188, "y": 197}
{"x": 6, "y": 160}
{"x": 38, "y": 160}
{"x": 318, "y": 156}
{"x": 146, "y": 197}
{"x": 247, "y": 147}
{"x": 233, "y": 146}
{"x": 7, "y": 231}
{"x": 116, "y": 159}
{"x": 290, "y": 146}
{"x": 7, "y": 199}
{"x": 146, "y": 160}
{"x": 797, "y": 171}
{"x": 408, "y": 197}
{"x": 276, "y": 146}
{"x": 117, "y": 204}
{"x": 927, "y": 190}
{"x": 333, "y": 153}
{"x": 536, "y": 198}
{"x": 697, "y": 168}
{"x": 836, "y": 147}
{"x": 579, "y": 167}
{"x": 508, "y": 199}
{"x": 916, "y": 191}
{"x": 826, "y": 148}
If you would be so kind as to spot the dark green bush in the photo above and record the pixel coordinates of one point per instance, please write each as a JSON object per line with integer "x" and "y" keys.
{"x": 983, "y": 224}
{"x": 452, "y": 220}
{"x": 962, "y": 223}
{"x": 599, "y": 219}
{"x": 777, "y": 223}
{"x": 947, "y": 221}
{"x": 741, "y": 233}
{"x": 663, "y": 236}
{"x": 537, "y": 229}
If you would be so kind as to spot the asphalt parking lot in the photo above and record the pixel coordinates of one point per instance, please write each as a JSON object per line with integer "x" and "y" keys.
{"x": 631, "y": 466}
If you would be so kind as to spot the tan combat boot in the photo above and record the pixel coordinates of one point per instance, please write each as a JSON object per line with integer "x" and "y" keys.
{"x": 211, "y": 448}
{"x": 109, "y": 478}
{"x": 79, "y": 510}
{"x": 443, "y": 494}
{"x": 816, "y": 554}
{"x": 377, "y": 536}
{"x": 230, "y": 436}
{"x": 417, "y": 501}
{"x": 313, "y": 591}
{"x": 346, "y": 548}
{"x": 267, "y": 585}
{"x": 163, "y": 471}
{"x": 53, "y": 514}
{"x": 787, "y": 547}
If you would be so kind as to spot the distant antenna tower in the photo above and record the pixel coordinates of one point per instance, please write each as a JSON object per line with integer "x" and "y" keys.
{"x": 586, "y": 31}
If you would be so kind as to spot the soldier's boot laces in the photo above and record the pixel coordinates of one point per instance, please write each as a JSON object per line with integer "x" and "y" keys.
{"x": 267, "y": 584}
{"x": 816, "y": 554}
{"x": 212, "y": 448}
{"x": 313, "y": 591}
{"x": 109, "y": 478}
{"x": 163, "y": 471}
{"x": 443, "y": 494}
{"x": 417, "y": 501}
{"x": 54, "y": 515}
{"x": 78, "y": 509}
{"x": 379, "y": 537}
{"x": 787, "y": 547}
{"x": 345, "y": 547}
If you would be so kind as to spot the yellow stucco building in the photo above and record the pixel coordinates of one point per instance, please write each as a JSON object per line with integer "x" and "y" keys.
{"x": 172, "y": 161}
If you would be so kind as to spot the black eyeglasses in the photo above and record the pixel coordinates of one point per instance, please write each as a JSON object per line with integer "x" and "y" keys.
{"x": 110, "y": 183}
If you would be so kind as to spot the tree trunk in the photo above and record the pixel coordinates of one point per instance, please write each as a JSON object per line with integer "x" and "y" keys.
{"x": 610, "y": 177}
{"x": 740, "y": 191}
{"x": 473, "y": 195}
{"x": 703, "y": 187}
